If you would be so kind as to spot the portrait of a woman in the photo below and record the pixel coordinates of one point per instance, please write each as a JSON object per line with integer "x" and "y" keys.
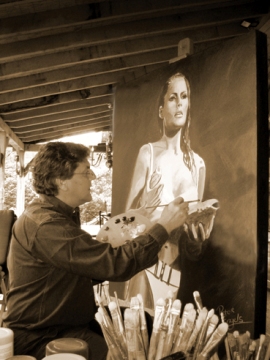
{"x": 164, "y": 170}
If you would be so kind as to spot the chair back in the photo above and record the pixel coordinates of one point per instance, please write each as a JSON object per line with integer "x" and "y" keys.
{"x": 7, "y": 219}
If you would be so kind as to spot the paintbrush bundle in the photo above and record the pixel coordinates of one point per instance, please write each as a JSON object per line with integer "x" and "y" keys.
{"x": 126, "y": 336}
{"x": 242, "y": 347}
{"x": 195, "y": 335}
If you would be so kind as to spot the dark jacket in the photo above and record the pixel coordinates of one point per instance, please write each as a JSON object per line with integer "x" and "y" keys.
{"x": 52, "y": 262}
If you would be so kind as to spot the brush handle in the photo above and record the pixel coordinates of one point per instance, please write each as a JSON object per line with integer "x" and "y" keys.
{"x": 116, "y": 341}
{"x": 192, "y": 339}
{"x": 144, "y": 330}
{"x": 198, "y": 300}
{"x": 227, "y": 348}
{"x": 114, "y": 352}
{"x": 161, "y": 341}
{"x": 117, "y": 322}
{"x": 201, "y": 340}
{"x": 140, "y": 350}
{"x": 105, "y": 287}
{"x": 258, "y": 355}
{"x": 250, "y": 355}
{"x": 267, "y": 353}
{"x": 153, "y": 345}
{"x": 168, "y": 345}
{"x": 119, "y": 331}
{"x": 216, "y": 337}
{"x": 161, "y": 205}
{"x": 182, "y": 346}
{"x": 211, "y": 328}
{"x": 135, "y": 346}
{"x": 171, "y": 334}
{"x": 197, "y": 329}
{"x": 113, "y": 347}
{"x": 145, "y": 338}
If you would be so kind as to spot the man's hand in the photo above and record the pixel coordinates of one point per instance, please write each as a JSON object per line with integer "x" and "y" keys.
{"x": 174, "y": 215}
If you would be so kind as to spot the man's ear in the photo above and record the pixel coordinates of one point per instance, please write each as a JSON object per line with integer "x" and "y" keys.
{"x": 61, "y": 184}
{"x": 160, "y": 112}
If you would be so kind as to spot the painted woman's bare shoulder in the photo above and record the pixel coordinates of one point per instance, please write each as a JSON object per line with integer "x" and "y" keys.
{"x": 144, "y": 149}
{"x": 198, "y": 160}
{"x": 144, "y": 154}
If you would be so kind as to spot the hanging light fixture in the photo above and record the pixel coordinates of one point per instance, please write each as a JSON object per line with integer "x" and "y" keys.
{"x": 100, "y": 151}
{"x": 95, "y": 157}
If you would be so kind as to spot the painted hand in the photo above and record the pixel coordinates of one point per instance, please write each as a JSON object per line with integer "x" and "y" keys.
{"x": 200, "y": 225}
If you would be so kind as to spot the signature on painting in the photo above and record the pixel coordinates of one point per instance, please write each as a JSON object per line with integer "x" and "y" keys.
{"x": 232, "y": 317}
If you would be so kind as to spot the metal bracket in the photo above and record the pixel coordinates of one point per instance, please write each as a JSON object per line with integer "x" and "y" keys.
{"x": 185, "y": 48}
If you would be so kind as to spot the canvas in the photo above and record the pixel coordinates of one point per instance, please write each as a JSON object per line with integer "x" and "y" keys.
{"x": 228, "y": 134}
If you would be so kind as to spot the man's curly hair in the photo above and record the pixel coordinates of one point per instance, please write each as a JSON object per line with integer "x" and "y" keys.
{"x": 56, "y": 160}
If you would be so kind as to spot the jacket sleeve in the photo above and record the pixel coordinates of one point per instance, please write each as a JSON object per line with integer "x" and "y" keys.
{"x": 66, "y": 246}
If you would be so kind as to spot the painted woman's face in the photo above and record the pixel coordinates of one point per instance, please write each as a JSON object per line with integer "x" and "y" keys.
{"x": 176, "y": 102}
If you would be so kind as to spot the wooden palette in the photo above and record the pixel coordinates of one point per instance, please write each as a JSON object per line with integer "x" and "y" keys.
{"x": 123, "y": 227}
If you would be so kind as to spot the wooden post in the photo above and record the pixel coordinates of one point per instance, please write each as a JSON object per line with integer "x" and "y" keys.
{"x": 20, "y": 200}
{"x": 3, "y": 146}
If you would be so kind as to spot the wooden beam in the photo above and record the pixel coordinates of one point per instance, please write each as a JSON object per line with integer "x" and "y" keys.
{"x": 32, "y": 147}
{"x": 48, "y": 47}
{"x": 14, "y": 141}
{"x": 55, "y": 109}
{"x": 127, "y": 55}
{"x": 95, "y": 66}
{"x": 79, "y": 84}
{"x": 106, "y": 126}
{"x": 89, "y": 123}
{"x": 19, "y": 8}
{"x": 31, "y": 27}
{"x": 55, "y": 100}
{"x": 43, "y": 125}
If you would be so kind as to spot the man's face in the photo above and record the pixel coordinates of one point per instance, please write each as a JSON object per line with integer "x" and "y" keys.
{"x": 80, "y": 184}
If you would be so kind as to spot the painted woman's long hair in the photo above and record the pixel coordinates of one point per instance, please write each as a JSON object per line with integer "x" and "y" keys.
{"x": 185, "y": 140}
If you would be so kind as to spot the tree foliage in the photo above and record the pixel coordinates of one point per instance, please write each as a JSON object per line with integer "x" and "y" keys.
{"x": 101, "y": 197}
{"x": 10, "y": 180}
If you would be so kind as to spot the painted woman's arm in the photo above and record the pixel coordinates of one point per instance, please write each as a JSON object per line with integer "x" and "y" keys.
{"x": 139, "y": 178}
{"x": 201, "y": 230}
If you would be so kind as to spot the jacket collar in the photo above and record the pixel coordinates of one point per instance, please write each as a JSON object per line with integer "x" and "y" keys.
{"x": 58, "y": 204}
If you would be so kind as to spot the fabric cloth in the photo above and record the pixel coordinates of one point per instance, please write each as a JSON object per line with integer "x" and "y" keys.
{"x": 53, "y": 265}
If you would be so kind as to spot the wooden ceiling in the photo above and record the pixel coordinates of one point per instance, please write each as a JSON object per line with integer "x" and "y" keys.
{"x": 61, "y": 59}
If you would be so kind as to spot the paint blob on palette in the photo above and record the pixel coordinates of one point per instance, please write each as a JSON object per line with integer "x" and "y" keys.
{"x": 123, "y": 227}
